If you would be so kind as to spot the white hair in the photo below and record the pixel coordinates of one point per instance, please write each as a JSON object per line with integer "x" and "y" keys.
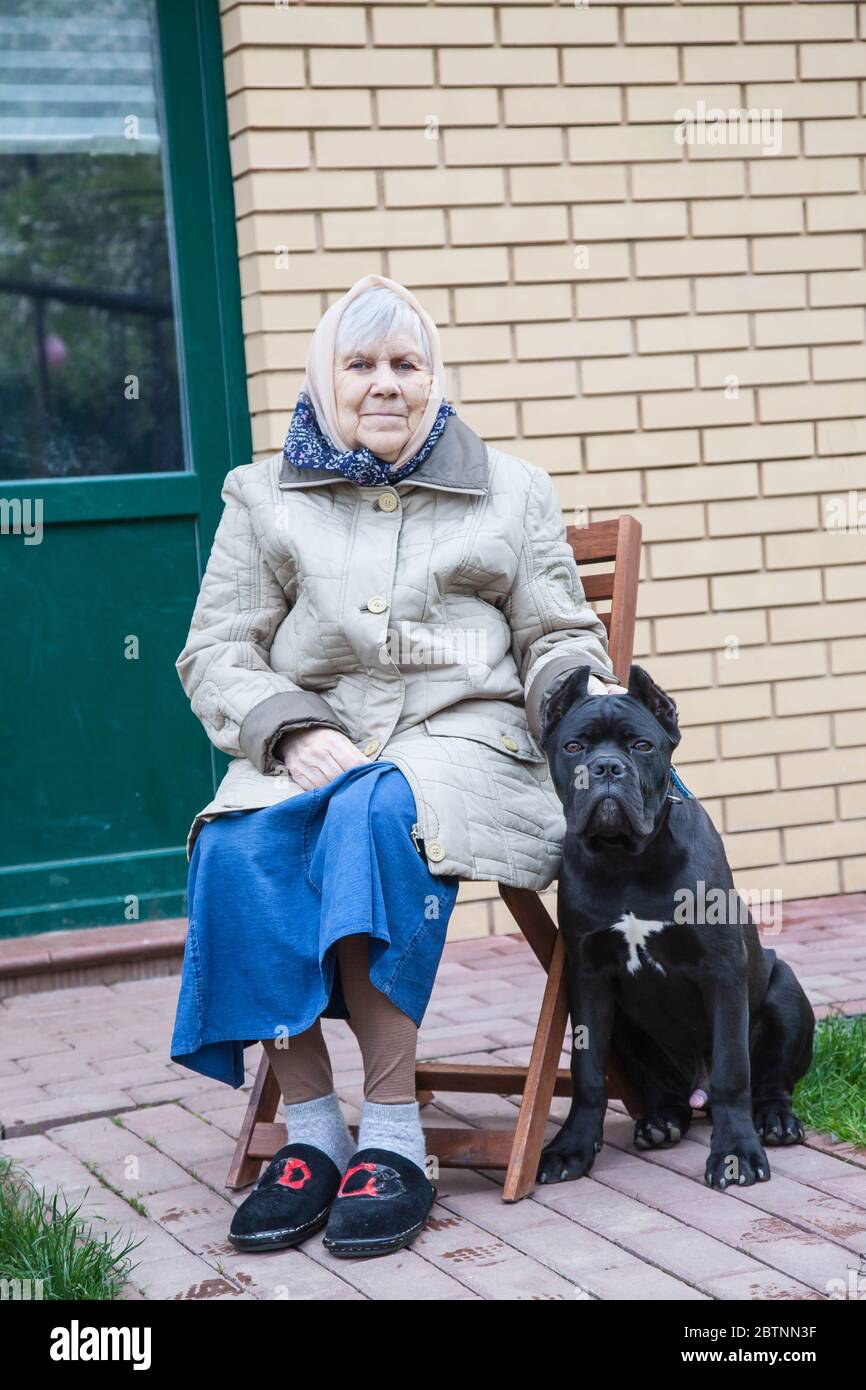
{"x": 374, "y": 315}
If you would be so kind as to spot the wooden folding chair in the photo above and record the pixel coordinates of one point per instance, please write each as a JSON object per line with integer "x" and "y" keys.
{"x": 517, "y": 1150}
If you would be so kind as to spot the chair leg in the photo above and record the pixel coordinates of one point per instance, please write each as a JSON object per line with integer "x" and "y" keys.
{"x": 540, "y": 1082}
{"x": 533, "y": 919}
{"x": 261, "y": 1109}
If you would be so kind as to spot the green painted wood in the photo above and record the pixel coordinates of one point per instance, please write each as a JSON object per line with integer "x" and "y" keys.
{"x": 112, "y": 768}
{"x": 204, "y": 243}
{"x": 105, "y": 761}
{"x": 109, "y": 499}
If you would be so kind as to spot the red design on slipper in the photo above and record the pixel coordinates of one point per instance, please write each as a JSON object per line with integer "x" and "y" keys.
{"x": 383, "y": 1181}
{"x": 289, "y": 1176}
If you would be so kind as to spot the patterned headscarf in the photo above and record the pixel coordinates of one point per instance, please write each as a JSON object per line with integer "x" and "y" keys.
{"x": 314, "y": 438}
{"x": 308, "y": 447}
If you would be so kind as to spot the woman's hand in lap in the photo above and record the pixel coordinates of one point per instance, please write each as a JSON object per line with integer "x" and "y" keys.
{"x": 316, "y": 756}
{"x": 596, "y": 686}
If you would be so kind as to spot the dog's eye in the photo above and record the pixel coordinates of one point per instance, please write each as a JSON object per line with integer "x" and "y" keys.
{"x": 643, "y": 745}
{"x": 572, "y": 746}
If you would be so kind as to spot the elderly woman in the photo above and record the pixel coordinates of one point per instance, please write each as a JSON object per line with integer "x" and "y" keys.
{"x": 387, "y": 604}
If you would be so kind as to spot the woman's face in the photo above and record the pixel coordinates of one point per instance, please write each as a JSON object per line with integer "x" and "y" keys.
{"x": 381, "y": 395}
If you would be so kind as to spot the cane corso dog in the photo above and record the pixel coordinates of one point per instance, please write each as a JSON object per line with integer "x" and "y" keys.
{"x": 685, "y": 996}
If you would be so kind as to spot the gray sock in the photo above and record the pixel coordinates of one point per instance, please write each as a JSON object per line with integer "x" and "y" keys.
{"x": 395, "y": 1127}
{"x": 321, "y": 1122}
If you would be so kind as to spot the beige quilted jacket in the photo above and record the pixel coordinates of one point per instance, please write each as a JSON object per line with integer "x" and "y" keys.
{"x": 426, "y": 620}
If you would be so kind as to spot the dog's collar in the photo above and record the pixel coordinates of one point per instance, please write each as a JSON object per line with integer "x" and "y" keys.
{"x": 679, "y": 784}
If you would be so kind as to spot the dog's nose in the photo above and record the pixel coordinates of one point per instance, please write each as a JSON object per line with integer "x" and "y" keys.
{"x": 607, "y": 767}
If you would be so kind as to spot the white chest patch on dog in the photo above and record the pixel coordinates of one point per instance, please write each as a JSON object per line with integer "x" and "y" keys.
{"x": 636, "y": 931}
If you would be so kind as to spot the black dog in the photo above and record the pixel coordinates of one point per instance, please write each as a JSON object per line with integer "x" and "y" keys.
{"x": 678, "y": 999}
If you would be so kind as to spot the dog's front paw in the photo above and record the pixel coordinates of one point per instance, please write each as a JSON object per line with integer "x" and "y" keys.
{"x": 739, "y": 1164}
{"x": 564, "y": 1160}
{"x": 659, "y": 1129}
{"x": 777, "y": 1124}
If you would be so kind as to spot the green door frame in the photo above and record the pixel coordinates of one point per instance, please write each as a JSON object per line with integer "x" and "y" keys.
{"x": 203, "y": 241}
{"x": 204, "y": 244}
{"x": 217, "y": 437}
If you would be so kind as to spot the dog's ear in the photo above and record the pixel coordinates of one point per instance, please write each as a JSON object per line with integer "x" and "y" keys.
{"x": 561, "y": 699}
{"x": 642, "y": 687}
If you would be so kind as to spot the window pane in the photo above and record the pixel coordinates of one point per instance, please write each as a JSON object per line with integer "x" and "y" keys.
{"x": 88, "y": 360}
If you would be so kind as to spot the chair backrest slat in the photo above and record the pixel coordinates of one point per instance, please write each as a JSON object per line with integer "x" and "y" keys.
{"x": 615, "y": 542}
{"x": 598, "y": 587}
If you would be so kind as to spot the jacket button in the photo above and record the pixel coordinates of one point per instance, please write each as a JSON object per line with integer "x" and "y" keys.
{"x": 435, "y": 850}
{"x": 377, "y": 604}
{"x": 387, "y": 502}
{"x": 509, "y": 743}
{"x": 372, "y": 747}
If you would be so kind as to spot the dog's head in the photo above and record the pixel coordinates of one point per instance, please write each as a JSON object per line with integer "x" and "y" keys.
{"x": 610, "y": 759}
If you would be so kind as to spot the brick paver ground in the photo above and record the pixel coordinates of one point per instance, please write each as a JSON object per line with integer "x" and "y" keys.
{"x": 91, "y": 1103}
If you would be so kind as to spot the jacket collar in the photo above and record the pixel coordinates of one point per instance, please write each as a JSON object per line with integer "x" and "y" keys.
{"x": 456, "y": 463}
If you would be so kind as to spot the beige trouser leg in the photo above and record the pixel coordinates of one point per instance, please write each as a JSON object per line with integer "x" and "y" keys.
{"x": 301, "y": 1065}
{"x": 386, "y": 1036}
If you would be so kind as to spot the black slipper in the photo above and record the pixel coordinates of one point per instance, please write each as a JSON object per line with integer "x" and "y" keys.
{"x": 381, "y": 1205}
{"x": 289, "y": 1202}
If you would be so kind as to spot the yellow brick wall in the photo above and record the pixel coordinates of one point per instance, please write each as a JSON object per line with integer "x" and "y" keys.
{"x": 673, "y": 330}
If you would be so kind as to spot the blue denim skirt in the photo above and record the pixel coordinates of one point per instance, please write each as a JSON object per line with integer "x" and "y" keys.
{"x": 270, "y": 893}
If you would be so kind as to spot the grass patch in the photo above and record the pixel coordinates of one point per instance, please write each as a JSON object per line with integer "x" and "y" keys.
{"x": 42, "y": 1242}
{"x": 832, "y": 1095}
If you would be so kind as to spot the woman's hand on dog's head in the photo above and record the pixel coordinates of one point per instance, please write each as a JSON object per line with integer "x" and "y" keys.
{"x": 596, "y": 686}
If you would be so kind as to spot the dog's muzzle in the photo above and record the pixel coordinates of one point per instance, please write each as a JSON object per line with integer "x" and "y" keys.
{"x": 611, "y": 807}
{"x": 608, "y": 817}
